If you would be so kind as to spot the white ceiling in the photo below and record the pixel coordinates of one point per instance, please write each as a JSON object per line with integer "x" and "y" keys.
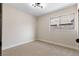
{"x": 49, "y": 7}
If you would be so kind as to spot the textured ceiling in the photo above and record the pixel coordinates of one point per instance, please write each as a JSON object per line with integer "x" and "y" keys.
{"x": 48, "y": 7}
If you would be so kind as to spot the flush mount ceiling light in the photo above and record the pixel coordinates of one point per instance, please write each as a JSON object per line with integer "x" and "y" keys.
{"x": 37, "y": 5}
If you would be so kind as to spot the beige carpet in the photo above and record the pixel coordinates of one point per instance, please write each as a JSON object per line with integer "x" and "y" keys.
{"x": 38, "y": 48}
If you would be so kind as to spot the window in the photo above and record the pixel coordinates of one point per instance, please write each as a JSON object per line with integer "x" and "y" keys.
{"x": 65, "y": 22}
{"x": 54, "y": 23}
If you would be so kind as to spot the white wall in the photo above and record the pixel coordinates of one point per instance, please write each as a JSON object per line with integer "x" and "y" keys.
{"x": 17, "y": 27}
{"x": 64, "y": 38}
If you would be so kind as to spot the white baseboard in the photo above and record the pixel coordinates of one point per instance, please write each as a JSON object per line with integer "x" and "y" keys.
{"x": 59, "y": 44}
{"x": 11, "y": 46}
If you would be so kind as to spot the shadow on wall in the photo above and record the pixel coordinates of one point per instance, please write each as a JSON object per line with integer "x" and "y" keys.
{"x": 0, "y": 27}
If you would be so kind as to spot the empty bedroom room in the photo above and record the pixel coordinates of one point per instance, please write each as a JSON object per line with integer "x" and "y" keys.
{"x": 40, "y": 29}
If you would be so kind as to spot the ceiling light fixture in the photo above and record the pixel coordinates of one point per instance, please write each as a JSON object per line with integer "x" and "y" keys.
{"x": 37, "y": 5}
